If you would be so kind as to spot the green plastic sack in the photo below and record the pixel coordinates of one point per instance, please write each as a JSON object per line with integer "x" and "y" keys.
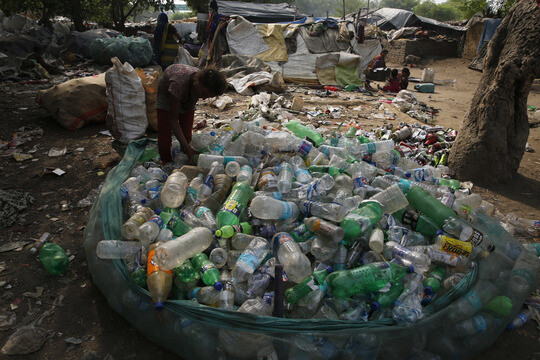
{"x": 135, "y": 50}
{"x": 195, "y": 331}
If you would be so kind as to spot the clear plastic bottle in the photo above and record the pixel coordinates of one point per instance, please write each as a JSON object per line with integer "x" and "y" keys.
{"x": 284, "y": 178}
{"x": 420, "y": 262}
{"x": 241, "y": 241}
{"x": 174, "y": 190}
{"x": 202, "y": 139}
{"x": 324, "y": 228}
{"x": 205, "y": 161}
{"x": 257, "y": 284}
{"x": 245, "y": 174}
{"x": 130, "y": 185}
{"x": 150, "y": 229}
{"x": 472, "y": 302}
{"x": 206, "y": 217}
{"x": 130, "y": 229}
{"x": 328, "y": 211}
{"x": 300, "y": 170}
{"x": 207, "y": 187}
{"x": 481, "y": 322}
{"x": 232, "y": 169}
{"x": 155, "y": 173}
{"x": 222, "y": 142}
{"x": 288, "y": 253}
{"x": 219, "y": 257}
{"x": 465, "y": 232}
{"x": 267, "y": 208}
{"x": 226, "y": 295}
{"x": 369, "y": 148}
{"x": 205, "y": 295}
{"x": 191, "y": 201}
{"x": 250, "y": 259}
{"x": 117, "y": 249}
{"x": 408, "y": 308}
{"x": 391, "y": 199}
{"x": 174, "y": 252}
{"x": 323, "y": 248}
{"x": 376, "y": 240}
{"x": 189, "y": 218}
{"x": 340, "y": 257}
{"x": 159, "y": 280}
{"x": 520, "y": 319}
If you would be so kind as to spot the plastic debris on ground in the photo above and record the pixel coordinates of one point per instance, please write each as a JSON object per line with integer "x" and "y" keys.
{"x": 368, "y": 225}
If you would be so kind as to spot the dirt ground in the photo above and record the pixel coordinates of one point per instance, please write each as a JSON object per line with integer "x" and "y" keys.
{"x": 80, "y": 324}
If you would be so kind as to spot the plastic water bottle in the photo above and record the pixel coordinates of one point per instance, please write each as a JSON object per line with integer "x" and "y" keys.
{"x": 208, "y": 271}
{"x": 419, "y": 261}
{"x": 376, "y": 240}
{"x": 155, "y": 173}
{"x": 472, "y": 302}
{"x": 190, "y": 201}
{"x": 300, "y": 170}
{"x": 245, "y": 174}
{"x": 206, "y": 217}
{"x": 257, "y": 284}
{"x": 150, "y": 229}
{"x": 312, "y": 282}
{"x": 206, "y": 188}
{"x": 479, "y": 323}
{"x": 241, "y": 241}
{"x": 322, "y": 248}
{"x": 288, "y": 253}
{"x": 129, "y": 186}
{"x": 219, "y": 257}
{"x": 130, "y": 229}
{"x": 206, "y": 295}
{"x": 433, "y": 282}
{"x": 370, "y": 148}
{"x": 226, "y": 295}
{"x": 251, "y": 258}
{"x": 520, "y": 320}
{"x": 364, "y": 279}
{"x": 202, "y": 139}
{"x": 174, "y": 190}
{"x": 174, "y": 252}
{"x": 325, "y": 229}
{"x": 223, "y": 140}
{"x": 189, "y": 218}
{"x": 159, "y": 280}
{"x": 408, "y": 308}
{"x": 205, "y": 161}
{"x": 464, "y": 232}
{"x": 358, "y": 221}
{"x": 391, "y": 199}
{"x": 232, "y": 169}
{"x": 284, "y": 178}
{"x": 328, "y": 211}
{"x": 53, "y": 258}
{"x": 233, "y": 208}
{"x": 340, "y": 257}
{"x": 267, "y": 208}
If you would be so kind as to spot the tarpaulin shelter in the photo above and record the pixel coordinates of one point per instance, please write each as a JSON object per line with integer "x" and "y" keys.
{"x": 260, "y": 13}
{"x": 390, "y": 19}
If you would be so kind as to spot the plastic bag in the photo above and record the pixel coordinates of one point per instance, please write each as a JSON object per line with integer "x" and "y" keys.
{"x": 135, "y": 50}
{"x": 126, "y": 115}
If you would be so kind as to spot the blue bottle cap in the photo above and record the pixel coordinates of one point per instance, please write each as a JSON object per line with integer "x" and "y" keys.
{"x": 407, "y": 175}
{"x": 329, "y": 269}
{"x": 428, "y": 290}
{"x": 411, "y": 268}
{"x": 439, "y": 232}
{"x": 510, "y": 326}
{"x": 159, "y": 306}
{"x": 158, "y": 211}
{"x": 218, "y": 285}
{"x": 212, "y": 133}
{"x": 375, "y": 306}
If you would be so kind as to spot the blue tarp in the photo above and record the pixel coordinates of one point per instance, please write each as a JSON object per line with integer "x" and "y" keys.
{"x": 490, "y": 26}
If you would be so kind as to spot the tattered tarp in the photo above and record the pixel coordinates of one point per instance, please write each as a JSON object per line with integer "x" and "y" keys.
{"x": 260, "y": 13}
{"x": 389, "y": 19}
{"x": 490, "y": 26}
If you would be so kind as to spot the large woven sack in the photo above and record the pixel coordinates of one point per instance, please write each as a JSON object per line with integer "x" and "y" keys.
{"x": 76, "y": 102}
{"x": 126, "y": 115}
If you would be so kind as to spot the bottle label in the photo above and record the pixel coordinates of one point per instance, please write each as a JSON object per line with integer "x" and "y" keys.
{"x": 371, "y": 148}
{"x": 410, "y": 217}
{"x": 156, "y": 219}
{"x": 278, "y": 240}
{"x": 480, "y": 322}
{"x": 152, "y": 266}
{"x": 238, "y": 228}
{"x": 443, "y": 257}
{"x": 299, "y": 171}
{"x": 201, "y": 210}
{"x": 304, "y": 149}
{"x": 474, "y": 299}
{"x": 246, "y": 168}
{"x": 312, "y": 284}
{"x": 448, "y": 200}
{"x": 476, "y": 237}
{"x": 536, "y": 224}
{"x": 228, "y": 159}
{"x": 193, "y": 192}
{"x": 464, "y": 210}
{"x": 267, "y": 179}
{"x": 206, "y": 267}
{"x": 306, "y": 206}
{"x": 232, "y": 206}
{"x": 138, "y": 218}
{"x": 455, "y": 246}
{"x": 209, "y": 181}
{"x": 360, "y": 182}
{"x": 436, "y": 277}
{"x": 277, "y": 195}
{"x": 419, "y": 174}
{"x": 287, "y": 210}
{"x": 322, "y": 227}
{"x": 404, "y": 185}
{"x": 249, "y": 259}
{"x": 400, "y": 252}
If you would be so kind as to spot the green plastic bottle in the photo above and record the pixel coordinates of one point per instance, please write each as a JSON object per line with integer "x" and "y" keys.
{"x": 351, "y": 131}
{"x": 175, "y": 224}
{"x": 138, "y": 277}
{"x": 385, "y": 299}
{"x": 433, "y": 282}
{"x": 358, "y": 221}
{"x": 313, "y": 282}
{"x": 418, "y": 222}
{"x": 368, "y": 278}
{"x": 301, "y": 233}
{"x": 228, "y": 231}
{"x": 501, "y": 305}
{"x": 453, "y": 183}
{"x": 304, "y": 132}
{"x": 363, "y": 139}
{"x": 208, "y": 271}
{"x": 54, "y": 258}
{"x": 328, "y": 169}
{"x": 233, "y": 208}
{"x": 421, "y": 200}
{"x": 186, "y": 277}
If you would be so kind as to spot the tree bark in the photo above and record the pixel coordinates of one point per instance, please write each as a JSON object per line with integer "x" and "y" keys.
{"x": 492, "y": 138}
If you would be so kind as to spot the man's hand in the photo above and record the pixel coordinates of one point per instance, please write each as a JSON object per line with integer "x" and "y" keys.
{"x": 190, "y": 152}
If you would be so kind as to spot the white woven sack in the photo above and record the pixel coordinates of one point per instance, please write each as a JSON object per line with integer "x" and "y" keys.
{"x": 126, "y": 113}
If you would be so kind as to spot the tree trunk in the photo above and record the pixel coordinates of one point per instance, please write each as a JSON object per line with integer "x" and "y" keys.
{"x": 492, "y": 138}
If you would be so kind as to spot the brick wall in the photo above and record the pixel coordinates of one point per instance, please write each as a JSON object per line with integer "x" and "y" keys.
{"x": 425, "y": 49}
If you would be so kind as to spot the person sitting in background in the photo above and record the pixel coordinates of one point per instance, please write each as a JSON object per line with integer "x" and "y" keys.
{"x": 165, "y": 45}
{"x": 378, "y": 61}
{"x": 404, "y": 78}
{"x": 392, "y": 83}
{"x": 178, "y": 91}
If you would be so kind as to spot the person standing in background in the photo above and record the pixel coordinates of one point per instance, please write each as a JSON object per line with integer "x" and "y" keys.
{"x": 165, "y": 45}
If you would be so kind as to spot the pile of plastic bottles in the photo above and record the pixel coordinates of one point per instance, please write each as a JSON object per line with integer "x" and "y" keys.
{"x": 358, "y": 226}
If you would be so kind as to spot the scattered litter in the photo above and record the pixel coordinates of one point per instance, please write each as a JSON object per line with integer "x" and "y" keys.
{"x": 74, "y": 341}
{"x": 38, "y": 293}
{"x": 80, "y": 149}
{"x": 54, "y": 152}
{"x": 106, "y": 133}
{"x": 15, "y": 245}
{"x": 21, "y": 157}
{"x": 25, "y": 340}
{"x": 7, "y": 320}
{"x": 58, "y": 172}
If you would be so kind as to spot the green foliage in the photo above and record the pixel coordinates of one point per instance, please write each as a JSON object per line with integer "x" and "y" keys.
{"x": 443, "y": 12}
{"x": 198, "y": 6}
{"x": 399, "y": 4}
{"x": 180, "y": 16}
{"x": 470, "y": 7}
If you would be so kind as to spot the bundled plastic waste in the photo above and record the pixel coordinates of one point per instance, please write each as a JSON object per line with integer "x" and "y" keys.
{"x": 367, "y": 227}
